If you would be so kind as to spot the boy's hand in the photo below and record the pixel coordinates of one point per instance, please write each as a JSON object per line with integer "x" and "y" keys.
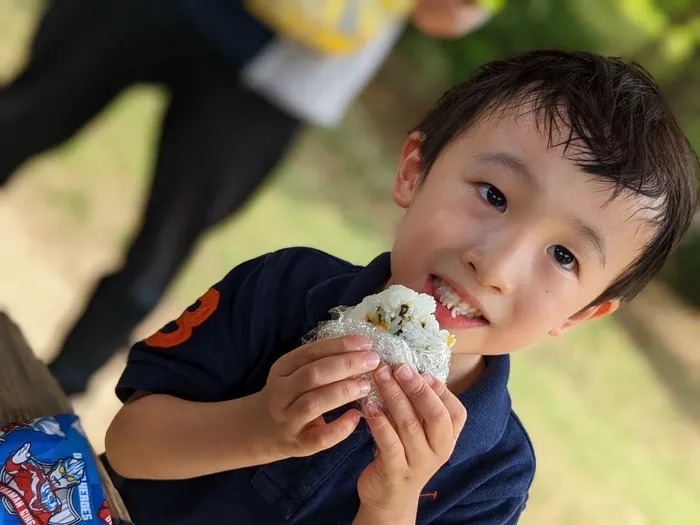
{"x": 428, "y": 419}
{"x": 306, "y": 383}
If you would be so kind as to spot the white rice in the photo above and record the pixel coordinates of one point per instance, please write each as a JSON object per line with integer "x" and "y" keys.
{"x": 409, "y": 315}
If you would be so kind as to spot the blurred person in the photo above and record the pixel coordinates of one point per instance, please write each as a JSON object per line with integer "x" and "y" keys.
{"x": 537, "y": 195}
{"x": 219, "y": 140}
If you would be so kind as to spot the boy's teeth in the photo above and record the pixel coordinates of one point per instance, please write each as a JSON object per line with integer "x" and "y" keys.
{"x": 451, "y": 300}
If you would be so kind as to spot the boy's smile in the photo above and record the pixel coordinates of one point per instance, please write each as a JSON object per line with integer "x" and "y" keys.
{"x": 456, "y": 309}
{"x": 510, "y": 236}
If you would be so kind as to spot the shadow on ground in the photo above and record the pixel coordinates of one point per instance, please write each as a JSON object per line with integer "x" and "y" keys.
{"x": 667, "y": 334}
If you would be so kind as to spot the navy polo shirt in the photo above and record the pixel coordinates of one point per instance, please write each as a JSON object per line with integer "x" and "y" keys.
{"x": 265, "y": 307}
{"x": 227, "y": 26}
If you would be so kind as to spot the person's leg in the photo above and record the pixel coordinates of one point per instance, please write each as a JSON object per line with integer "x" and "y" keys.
{"x": 59, "y": 24}
{"x": 76, "y": 70}
{"x": 218, "y": 144}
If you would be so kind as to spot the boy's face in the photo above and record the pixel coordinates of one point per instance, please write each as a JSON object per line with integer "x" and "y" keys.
{"x": 512, "y": 228}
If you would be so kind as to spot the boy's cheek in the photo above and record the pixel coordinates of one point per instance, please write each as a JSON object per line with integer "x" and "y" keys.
{"x": 440, "y": 225}
{"x": 531, "y": 320}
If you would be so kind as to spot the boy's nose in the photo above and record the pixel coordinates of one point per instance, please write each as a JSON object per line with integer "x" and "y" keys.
{"x": 496, "y": 274}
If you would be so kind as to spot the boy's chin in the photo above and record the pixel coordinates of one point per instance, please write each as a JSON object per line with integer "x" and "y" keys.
{"x": 468, "y": 344}
{"x": 477, "y": 343}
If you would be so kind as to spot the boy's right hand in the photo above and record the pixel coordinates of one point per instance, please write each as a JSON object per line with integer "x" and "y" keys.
{"x": 308, "y": 382}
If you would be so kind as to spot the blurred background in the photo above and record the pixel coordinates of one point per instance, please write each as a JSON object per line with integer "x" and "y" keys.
{"x": 613, "y": 408}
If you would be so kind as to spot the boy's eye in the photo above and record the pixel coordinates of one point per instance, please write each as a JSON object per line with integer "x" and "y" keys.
{"x": 493, "y": 196}
{"x": 563, "y": 257}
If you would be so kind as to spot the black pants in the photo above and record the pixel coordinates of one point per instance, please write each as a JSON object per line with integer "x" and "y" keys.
{"x": 218, "y": 143}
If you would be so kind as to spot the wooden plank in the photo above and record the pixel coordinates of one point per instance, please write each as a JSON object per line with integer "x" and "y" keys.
{"x": 28, "y": 390}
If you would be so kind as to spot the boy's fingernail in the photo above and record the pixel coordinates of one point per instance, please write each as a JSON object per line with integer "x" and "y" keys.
{"x": 358, "y": 343}
{"x": 372, "y": 412}
{"x": 405, "y": 372}
{"x": 384, "y": 373}
{"x": 429, "y": 378}
{"x": 363, "y": 386}
{"x": 371, "y": 360}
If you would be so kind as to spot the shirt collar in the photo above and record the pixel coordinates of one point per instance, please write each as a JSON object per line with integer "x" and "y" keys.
{"x": 347, "y": 289}
{"x": 487, "y": 401}
{"x": 488, "y": 409}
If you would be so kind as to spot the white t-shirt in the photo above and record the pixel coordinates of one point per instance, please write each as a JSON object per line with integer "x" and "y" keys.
{"x": 316, "y": 88}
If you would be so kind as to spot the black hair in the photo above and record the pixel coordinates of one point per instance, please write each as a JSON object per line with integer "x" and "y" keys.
{"x": 619, "y": 129}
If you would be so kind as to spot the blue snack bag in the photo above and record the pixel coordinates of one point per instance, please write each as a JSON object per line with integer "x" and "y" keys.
{"x": 48, "y": 475}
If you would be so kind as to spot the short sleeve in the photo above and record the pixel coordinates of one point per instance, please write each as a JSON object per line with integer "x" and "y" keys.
{"x": 505, "y": 511}
{"x": 204, "y": 354}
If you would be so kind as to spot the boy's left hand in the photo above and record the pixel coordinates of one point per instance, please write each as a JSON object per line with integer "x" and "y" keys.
{"x": 427, "y": 419}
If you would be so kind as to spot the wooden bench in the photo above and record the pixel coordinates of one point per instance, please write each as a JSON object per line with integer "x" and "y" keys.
{"x": 28, "y": 391}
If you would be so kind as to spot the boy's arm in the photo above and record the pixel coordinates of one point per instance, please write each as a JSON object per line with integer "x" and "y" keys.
{"x": 163, "y": 437}
{"x": 365, "y": 516}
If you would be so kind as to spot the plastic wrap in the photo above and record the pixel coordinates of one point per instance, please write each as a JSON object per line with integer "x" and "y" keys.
{"x": 392, "y": 349}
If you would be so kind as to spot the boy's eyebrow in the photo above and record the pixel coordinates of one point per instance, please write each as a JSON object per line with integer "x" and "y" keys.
{"x": 503, "y": 159}
{"x": 593, "y": 237}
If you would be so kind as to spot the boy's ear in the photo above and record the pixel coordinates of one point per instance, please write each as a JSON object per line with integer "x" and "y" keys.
{"x": 594, "y": 312}
{"x": 410, "y": 172}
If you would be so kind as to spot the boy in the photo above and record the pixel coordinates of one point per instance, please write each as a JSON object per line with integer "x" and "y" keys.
{"x": 542, "y": 192}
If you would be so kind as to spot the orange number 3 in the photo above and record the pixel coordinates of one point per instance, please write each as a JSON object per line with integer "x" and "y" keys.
{"x": 190, "y": 319}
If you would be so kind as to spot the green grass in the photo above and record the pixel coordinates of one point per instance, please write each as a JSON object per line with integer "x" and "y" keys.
{"x": 608, "y": 434}
{"x": 612, "y": 446}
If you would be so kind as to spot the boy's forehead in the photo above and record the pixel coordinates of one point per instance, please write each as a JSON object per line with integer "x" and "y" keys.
{"x": 524, "y": 127}
{"x": 517, "y": 141}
